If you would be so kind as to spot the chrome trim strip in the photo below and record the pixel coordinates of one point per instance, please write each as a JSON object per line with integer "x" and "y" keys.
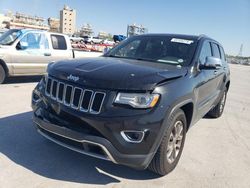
{"x": 110, "y": 157}
{"x": 93, "y": 111}
{"x": 50, "y": 92}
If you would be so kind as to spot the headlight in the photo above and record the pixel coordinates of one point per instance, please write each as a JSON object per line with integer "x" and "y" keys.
{"x": 138, "y": 100}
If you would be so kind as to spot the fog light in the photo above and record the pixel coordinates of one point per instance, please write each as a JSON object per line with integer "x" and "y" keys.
{"x": 133, "y": 136}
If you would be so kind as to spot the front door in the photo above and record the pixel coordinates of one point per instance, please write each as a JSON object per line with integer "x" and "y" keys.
{"x": 206, "y": 90}
{"x": 32, "y": 54}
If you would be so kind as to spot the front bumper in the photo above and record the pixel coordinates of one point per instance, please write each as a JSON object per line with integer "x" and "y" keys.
{"x": 98, "y": 136}
{"x": 90, "y": 145}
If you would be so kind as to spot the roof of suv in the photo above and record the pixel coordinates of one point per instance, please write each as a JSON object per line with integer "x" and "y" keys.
{"x": 193, "y": 37}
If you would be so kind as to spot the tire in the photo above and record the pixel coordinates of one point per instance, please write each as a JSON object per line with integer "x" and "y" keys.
{"x": 164, "y": 161}
{"x": 2, "y": 74}
{"x": 217, "y": 111}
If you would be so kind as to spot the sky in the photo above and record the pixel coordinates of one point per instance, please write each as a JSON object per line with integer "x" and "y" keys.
{"x": 227, "y": 21}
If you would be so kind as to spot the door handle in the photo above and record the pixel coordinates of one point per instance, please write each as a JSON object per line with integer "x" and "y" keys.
{"x": 215, "y": 72}
{"x": 47, "y": 54}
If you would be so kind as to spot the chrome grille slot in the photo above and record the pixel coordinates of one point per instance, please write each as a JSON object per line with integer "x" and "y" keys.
{"x": 84, "y": 100}
{"x": 54, "y": 89}
{"x": 76, "y": 97}
{"x": 68, "y": 94}
{"x": 97, "y": 102}
{"x": 48, "y": 86}
{"x": 60, "y": 92}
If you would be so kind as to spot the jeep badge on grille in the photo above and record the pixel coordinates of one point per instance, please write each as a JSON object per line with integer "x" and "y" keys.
{"x": 73, "y": 78}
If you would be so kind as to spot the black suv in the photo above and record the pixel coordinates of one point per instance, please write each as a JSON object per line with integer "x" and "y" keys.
{"x": 134, "y": 105}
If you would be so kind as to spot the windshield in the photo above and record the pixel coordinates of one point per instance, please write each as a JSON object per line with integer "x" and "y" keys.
{"x": 158, "y": 49}
{"x": 10, "y": 36}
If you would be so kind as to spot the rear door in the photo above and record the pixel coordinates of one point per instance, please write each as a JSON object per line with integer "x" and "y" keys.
{"x": 32, "y": 59}
{"x": 61, "y": 48}
{"x": 219, "y": 73}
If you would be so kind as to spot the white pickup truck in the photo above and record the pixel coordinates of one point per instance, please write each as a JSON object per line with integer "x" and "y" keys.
{"x": 28, "y": 52}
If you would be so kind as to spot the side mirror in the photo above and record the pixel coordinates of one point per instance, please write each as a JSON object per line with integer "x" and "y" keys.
{"x": 22, "y": 45}
{"x": 212, "y": 63}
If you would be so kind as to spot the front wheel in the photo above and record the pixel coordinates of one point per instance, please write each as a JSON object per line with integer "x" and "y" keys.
{"x": 2, "y": 74}
{"x": 170, "y": 149}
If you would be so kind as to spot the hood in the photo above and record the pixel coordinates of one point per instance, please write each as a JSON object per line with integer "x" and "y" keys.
{"x": 115, "y": 73}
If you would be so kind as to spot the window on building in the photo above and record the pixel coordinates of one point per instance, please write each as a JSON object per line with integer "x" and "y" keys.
{"x": 58, "y": 42}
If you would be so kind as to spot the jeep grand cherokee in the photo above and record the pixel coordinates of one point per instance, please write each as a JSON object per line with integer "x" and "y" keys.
{"x": 134, "y": 105}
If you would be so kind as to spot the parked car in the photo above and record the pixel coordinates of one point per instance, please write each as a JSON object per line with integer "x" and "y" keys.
{"x": 76, "y": 39}
{"x": 134, "y": 105}
{"x": 119, "y": 38}
{"x": 107, "y": 42}
{"x": 28, "y": 52}
{"x": 92, "y": 40}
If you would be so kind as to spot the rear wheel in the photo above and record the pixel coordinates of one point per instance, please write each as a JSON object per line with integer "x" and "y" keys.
{"x": 219, "y": 108}
{"x": 170, "y": 149}
{"x": 2, "y": 74}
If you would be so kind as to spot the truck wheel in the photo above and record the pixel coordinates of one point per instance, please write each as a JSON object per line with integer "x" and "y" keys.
{"x": 170, "y": 149}
{"x": 2, "y": 74}
{"x": 219, "y": 108}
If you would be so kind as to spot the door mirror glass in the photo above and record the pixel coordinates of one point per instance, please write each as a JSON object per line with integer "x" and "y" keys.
{"x": 211, "y": 63}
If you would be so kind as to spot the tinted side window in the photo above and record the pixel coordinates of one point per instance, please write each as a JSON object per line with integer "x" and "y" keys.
{"x": 216, "y": 51}
{"x": 58, "y": 42}
{"x": 222, "y": 53}
{"x": 205, "y": 52}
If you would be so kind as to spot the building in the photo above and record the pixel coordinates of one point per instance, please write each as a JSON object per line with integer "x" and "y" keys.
{"x": 20, "y": 21}
{"x": 86, "y": 30}
{"x": 4, "y": 19}
{"x": 54, "y": 24}
{"x": 103, "y": 35}
{"x": 67, "y": 20}
{"x": 136, "y": 30}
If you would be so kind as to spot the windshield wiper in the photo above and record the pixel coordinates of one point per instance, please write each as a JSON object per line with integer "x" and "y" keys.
{"x": 144, "y": 59}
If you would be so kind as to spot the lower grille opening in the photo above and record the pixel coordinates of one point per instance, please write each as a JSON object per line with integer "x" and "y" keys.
{"x": 72, "y": 122}
{"x": 94, "y": 149}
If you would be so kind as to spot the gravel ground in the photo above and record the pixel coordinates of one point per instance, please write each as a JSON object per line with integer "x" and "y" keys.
{"x": 216, "y": 152}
